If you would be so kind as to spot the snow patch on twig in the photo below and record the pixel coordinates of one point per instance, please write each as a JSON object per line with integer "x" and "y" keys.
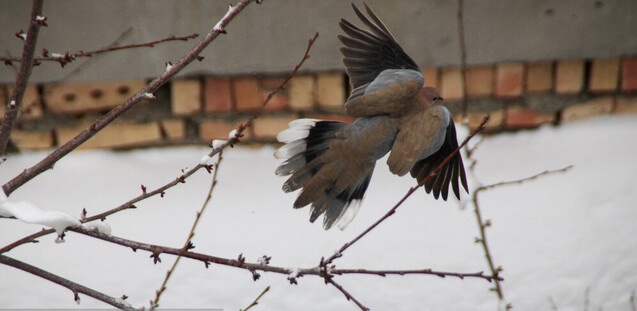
{"x": 28, "y": 212}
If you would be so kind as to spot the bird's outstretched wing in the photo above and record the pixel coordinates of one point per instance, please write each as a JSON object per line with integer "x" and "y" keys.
{"x": 452, "y": 173}
{"x": 383, "y": 77}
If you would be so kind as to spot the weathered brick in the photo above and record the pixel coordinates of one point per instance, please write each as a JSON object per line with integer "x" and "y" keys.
{"x": 522, "y": 117}
{"x": 451, "y": 83}
{"x": 280, "y": 100}
{"x": 593, "y": 107}
{"x": 509, "y": 80}
{"x": 31, "y": 140}
{"x": 76, "y": 98}
{"x": 604, "y": 75}
{"x": 629, "y": 74}
{"x": 569, "y": 76}
{"x": 479, "y": 81}
{"x": 473, "y": 120}
{"x": 625, "y": 105}
{"x": 267, "y": 127}
{"x": 174, "y": 129}
{"x": 431, "y": 77}
{"x": 330, "y": 90}
{"x": 302, "y": 92}
{"x": 117, "y": 135}
{"x": 219, "y": 129}
{"x": 185, "y": 96}
{"x": 31, "y": 108}
{"x": 247, "y": 93}
{"x": 217, "y": 95}
{"x": 539, "y": 77}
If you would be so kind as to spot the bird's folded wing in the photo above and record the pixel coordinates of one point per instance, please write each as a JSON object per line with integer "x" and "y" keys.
{"x": 421, "y": 134}
{"x": 369, "y": 53}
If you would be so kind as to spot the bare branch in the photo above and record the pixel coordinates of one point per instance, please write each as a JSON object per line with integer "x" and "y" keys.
{"x": 144, "y": 93}
{"x": 155, "y": 303}
{"x": 15, "y": 101}
{"x": 256, "y": 301}
{"x": 523, "y": 180}
{"x": 75, "y": 287}
{"x": 68, "y": 57}
{"x": 409, "y": 193}
{"x": 347, "y": 294}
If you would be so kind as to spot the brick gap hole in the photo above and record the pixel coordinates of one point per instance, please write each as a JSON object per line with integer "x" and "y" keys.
{"x": 69, "y": 97}
{"x": 123, "y": 90}
{"x": 97, "y": 93}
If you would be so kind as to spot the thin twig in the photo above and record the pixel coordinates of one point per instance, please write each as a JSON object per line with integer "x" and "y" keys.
{"x": 144, "y": 93}
{"x": 68, "y": 57}
{"x": 155, "y": 303}
{"x": 482, "y": 225}
{"x": 75, "y": 287}
{"x": 347, "y": 294}
{"x": 345, "y": 246}
{"x": 184, "y": 176}
{"x": 256, "y": 301}
{"x": 15, "y": 101}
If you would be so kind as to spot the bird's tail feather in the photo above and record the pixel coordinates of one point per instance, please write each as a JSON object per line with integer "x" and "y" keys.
{"x": 320, "y": 171}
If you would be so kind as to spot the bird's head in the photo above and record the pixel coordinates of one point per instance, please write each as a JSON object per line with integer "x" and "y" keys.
{"x": 430, "y": 96}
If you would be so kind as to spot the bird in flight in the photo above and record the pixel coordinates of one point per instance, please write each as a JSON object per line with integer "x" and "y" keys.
{"x": 332, "y": 162}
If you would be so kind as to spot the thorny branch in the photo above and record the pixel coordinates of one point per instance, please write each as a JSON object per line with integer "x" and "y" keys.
{"x": 482, "y": 225}
{"x": 68, "y": 57}
{"x": 144, "y": 93}
{"x": 15, "y": 101}
{"x": 76, "y": 288}
{"x": 155, "y": 303}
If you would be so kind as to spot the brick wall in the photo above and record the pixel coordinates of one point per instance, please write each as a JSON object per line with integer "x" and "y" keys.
{"x": 195, "y": 110}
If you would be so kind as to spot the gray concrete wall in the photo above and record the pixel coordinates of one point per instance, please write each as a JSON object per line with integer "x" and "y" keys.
{"x": 270, "y": 37}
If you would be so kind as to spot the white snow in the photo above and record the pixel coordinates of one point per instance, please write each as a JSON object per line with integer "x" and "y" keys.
{"x": 11, "y": 104}
{"x": 57, "y": 55}
{"x": 150, "y": 96}
{"x": 98, "y": 226}
{"x": 40, "y": 18}
{"x": 556, "y": 238}
{"x": 30, "y": 213}
{"x": 169, "y": 66}
{"x": 204, "y": 159}
{"x": 217, "y": 143}
{"x": 232, "y": 134}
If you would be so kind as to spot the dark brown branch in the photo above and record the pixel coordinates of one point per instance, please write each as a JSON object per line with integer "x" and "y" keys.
{"x": 144, "y": 93}
{"x": 68, "y": 57}
{"x": 15, "y": 101}
{"x": 74, "y": 287}
{"x": 347, "y": 294}
{"x": 345, "y": 246}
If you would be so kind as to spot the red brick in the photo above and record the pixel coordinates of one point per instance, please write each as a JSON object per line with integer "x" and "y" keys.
{"x": 479, "y": 81}
{"x": 267, "y": 127}
{"x": 76, "y": 98}
{"x": 174, "y": 129}
{"x": 302, "y": 92}
{"x": 472, "y": 120}
{"x": 519, "y": 117}
{"x": 604, "y": 75}
{"x": 539, "y": 77}
{"x": 629, "y": 74}
{"x": 431, "y": 77}
{"x": 219, "y": 129}
{"x": 451, "y": 84}
{"x": 569, "y": 77}
{"x": 185, "y": 96}
{"x": 117, "y": 135}
{"x": 247, "y": 93}
{"x": 330, "y": 90}
{"x": 625, "y": 105}
{"x": 280, "y": 100}
{"x": 509, "y": 79}
{"x": 217, "y": 95}
{"x": 593, "y": 107}
{"x": 28, "y": 140}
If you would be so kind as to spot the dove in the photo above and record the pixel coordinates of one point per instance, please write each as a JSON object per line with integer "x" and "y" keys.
{"x": 332, "y": 162}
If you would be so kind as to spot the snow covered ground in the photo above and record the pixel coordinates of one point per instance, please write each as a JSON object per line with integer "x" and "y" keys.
{"x": 557, "y": 238}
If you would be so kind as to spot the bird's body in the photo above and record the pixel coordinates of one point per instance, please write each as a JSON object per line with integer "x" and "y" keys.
{"x": 332, "y": 162}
